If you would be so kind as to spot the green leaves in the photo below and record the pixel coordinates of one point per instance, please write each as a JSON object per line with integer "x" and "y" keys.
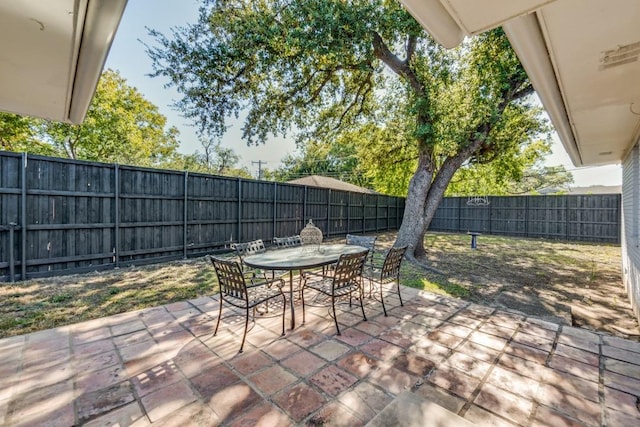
{"x": 121, "y": 127}
{"x": 358, "y": 77}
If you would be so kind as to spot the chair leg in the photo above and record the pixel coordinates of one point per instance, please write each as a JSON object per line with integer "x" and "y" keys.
{"x": 364, "y": 316}
{"x": 302, "y": 297}
{"x": 284, "y": 310}
{"x": 219, "y": 317}
{"x": 399, "y": 296}
{"x": 382, "y": 300}
{"x": 335, "y": 318}
{"x": 246, "y": 327}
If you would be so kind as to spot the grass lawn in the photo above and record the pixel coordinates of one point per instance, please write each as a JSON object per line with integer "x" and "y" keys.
{"x": 553, "y": 280}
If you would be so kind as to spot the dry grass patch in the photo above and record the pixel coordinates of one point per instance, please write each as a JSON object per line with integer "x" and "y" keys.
{"x": 46, "y": 303}
{"x": 574, "y": 283}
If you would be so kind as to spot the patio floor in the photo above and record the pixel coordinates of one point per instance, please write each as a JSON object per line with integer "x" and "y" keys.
{"x": 162, "y": 366}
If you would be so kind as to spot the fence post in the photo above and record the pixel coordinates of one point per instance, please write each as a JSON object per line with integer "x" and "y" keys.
{"x": 619, "y": 215}
{"x": 348, "y": 209}
{"x": 526, "y": 216}
{"x": 364, "y": 213}
{"x": 275, "y": 207}
{"x": 116, "y": 178}
{"x": 184, "y": 215}
{"x": 329, "y": 213}
{"x": 23, "y": 219}
{"x": 12, "y": 261}
{"x": 566, "y": 220}
{"x": 489, "y": 216}
{"x": 387, "y": 204}
{"x": 304, "y": 207}
{"x": 377, "y": 208}
{"x": 239, "y": 234}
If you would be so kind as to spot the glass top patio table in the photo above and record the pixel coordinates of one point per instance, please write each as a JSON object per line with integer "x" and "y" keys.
{"x": 300, "y": 258}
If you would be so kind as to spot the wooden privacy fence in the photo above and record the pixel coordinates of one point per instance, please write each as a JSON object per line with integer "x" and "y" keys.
{"x": 60, "y": 216}
{"x": 587, "y": 218}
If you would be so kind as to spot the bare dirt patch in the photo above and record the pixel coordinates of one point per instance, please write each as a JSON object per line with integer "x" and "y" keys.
{"x": 573, "y": 283}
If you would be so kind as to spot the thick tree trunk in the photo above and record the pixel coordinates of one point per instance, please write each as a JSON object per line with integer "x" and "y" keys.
{"x": 413, "y": 227}
{"x": 424, "y": 195}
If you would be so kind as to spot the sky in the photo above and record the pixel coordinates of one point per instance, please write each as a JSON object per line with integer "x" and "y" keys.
{"x": 128, "y": 56}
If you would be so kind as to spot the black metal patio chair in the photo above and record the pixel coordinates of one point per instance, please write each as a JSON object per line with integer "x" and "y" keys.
{"x": 287, "y": 242}
{"x": 368, "y": 242}
{"x": 346, "y": 279}
{"x": 250, "y": 248}
{"x": 387, "y": 272}
{"x": 235, "y": 291}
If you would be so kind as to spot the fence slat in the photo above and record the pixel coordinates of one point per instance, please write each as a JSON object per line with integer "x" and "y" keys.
{"x": 565, "y": 217}
{"x": 81, "y": 216}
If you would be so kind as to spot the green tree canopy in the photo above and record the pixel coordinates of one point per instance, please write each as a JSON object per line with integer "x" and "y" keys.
{"x": 330, "y": 67}
{"x": 121, "y": 127}
{"x": 20, "y": 133}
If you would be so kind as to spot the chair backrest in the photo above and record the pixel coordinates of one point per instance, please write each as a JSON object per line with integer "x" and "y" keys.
{"x": 368, "y": 242}
{"x": 391, "y": 266}
{"x": 287, "y": 242}
{"x": 249, "y": 248}
{"x": 230, "y": 278}
{"x": 348, "y": 269}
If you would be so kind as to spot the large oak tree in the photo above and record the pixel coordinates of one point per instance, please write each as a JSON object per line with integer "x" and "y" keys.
{"x": 323, "y": 68}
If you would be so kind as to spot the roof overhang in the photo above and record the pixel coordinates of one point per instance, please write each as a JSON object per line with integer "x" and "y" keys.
{"x": 52, "y": 53}
{"x": 581, "y": 56}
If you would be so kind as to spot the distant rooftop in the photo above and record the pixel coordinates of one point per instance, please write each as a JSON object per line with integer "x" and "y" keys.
{"x": 597, "y": 189}
{"x": 332, "y": 183}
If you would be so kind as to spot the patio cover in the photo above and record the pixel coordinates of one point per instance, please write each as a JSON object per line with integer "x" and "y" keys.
{"x": 581, "y": 56}
{"x": 52, "y": 53}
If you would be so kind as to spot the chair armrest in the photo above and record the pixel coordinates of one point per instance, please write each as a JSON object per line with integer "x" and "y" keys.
{"x": 316, "y": 275}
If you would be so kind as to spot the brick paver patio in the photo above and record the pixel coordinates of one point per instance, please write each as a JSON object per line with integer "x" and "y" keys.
{"x": 162, "y": 366}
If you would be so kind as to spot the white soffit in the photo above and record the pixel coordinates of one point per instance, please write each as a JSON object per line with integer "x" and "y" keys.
{"x": 52, "y": 53}
{"x": 580, "y": 57}
{"x": 594, "y": 47}
{"x": 478, "y": 16}
{"x": 449, "y": 21}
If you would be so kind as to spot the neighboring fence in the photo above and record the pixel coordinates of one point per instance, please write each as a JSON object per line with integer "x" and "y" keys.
{"x": 587, "y": 218}
{"x": 84, "y": 216}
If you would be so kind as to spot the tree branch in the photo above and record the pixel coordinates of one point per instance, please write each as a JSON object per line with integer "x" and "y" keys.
{"x": 401, "y": 68}
{"x": 526, "y": 91}
{"x": 412, "y": 40}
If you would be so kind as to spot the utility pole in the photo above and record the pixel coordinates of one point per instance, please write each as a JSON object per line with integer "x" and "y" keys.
{"x": 260, "y": 163}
